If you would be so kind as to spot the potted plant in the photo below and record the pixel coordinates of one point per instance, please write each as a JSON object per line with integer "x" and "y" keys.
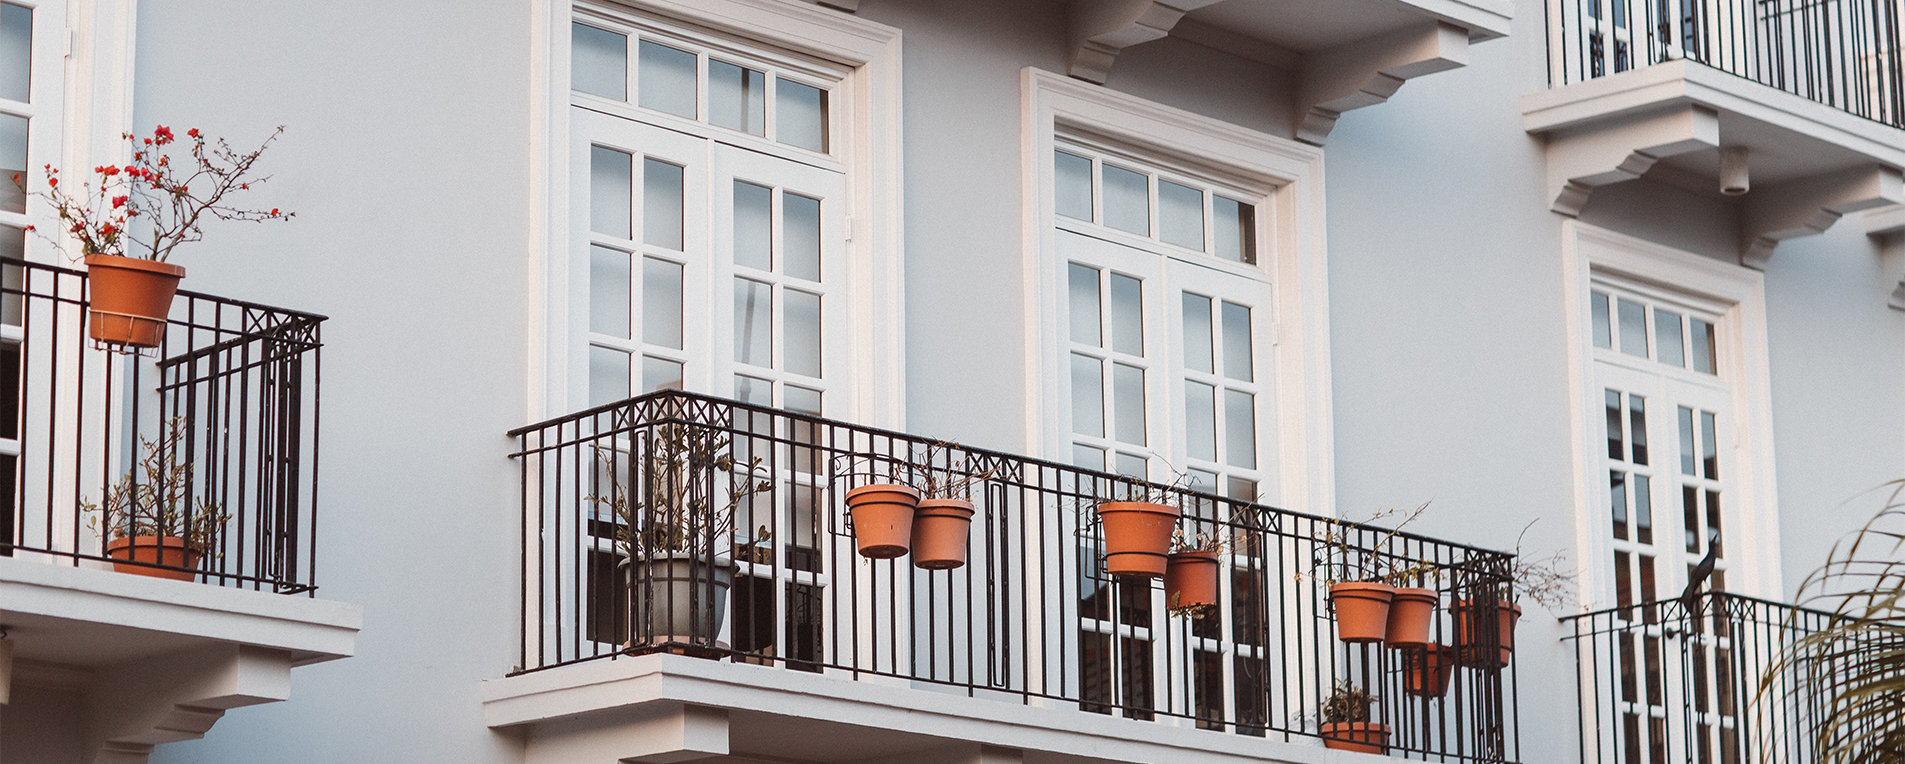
{"x": 1542, "y": 580}
{"x": 1191, "y": 574}
{"x": 1138, "y": 531}
{"x": 942, "y": 522}
{"x": 1426, "y": 670}
{"x": 149, "y": 522}
{"x": 1358, "y": 577}
{"x": 128, "y": 219}
{"x": 676, "y": 530}
{"x": 1346, "y": 725}
{"x": 1411, "y": 608}
{"x": 882, "y": 516}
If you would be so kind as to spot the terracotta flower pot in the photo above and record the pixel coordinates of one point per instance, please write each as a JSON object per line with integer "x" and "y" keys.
{"x": 940, "y": 530}
{"x": 1362, "y": 610}
{"x": 883, "y": 519}
{"x": 130, "y": 299}
{"x": 1365, "y": 737}
{"x": 1137, "y": 537}
{"x": 1471, "y": 641}
{"x": 142, "y": 552}
{"x": 1190, "y": 579}
{"x": 1426, "y": 670}
{"x": 1410, "y": 613}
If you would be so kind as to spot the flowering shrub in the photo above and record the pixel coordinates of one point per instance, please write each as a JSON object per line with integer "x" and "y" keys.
{"x": 163, "y": 200}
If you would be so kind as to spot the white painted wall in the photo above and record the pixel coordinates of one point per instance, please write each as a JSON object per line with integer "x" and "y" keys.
{"x": 406, "y": 160}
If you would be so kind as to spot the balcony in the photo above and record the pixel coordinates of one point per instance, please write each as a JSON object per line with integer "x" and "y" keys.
{"x": 659, "y": 629}
{"x": 1662, "y": 683}
{"x": 1794, "y": 106}
{"x": 1345, "y": 54}
{"x": 222, "y": 416}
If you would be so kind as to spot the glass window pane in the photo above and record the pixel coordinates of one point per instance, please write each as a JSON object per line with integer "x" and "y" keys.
{"x": 13, "y": 279}
{"x": 1633, "y": 328}
{"x": 1623, "y": 584}
{"x": 661, "y": 204}
{"x": 667, "y": 79}
{"x": 16, "y": 50}
{"x": 1198, "y": 353}
{"x": 753, "y": 226}
{"x": 1709, "y": 449}
{"x": 802, "y": 352}
{"x": 1643, "y": 509}
{"x": 1234, "y": 229}
{"x": 801, "y": 400}
{"x": 1616, "y": 441}
{"x": 1134, "y": 466}
{"x": 608, "y": 375}
{"x": 755, "y": 390}
{"x": 1088, "y": 396}
{"x": 1181, "y": 215}
{"x": 737, "y": 97}
{"x": 1690, "y": 517}
{"x": 1087, "y": 457}
{"x": 1237, "y": 349}
{"x": 754, "y": 323}
{"x": 1084, "y": 304}
{"x": 1241, "y": 489}
{"x": 1667, "y": 342}
{"x": 1073, "y": 185}
{"x": 800, "y": 236}
{"x": 1127, "y": 391}
{"x": 1240, "y": 429}
{"x": 1603, "y": 328}
{"x": 1713, "y": 526}
{"x": 1127, "y": 200}
{"x": 1127, "y": 315}
{"x": 1705, "y": 358}
{"x": 661, "y": 302}
{"x": 1617, "y": 502}
{"x": 1687, "y": 455}
{"x": 598, "y": 60}
{"x": 608, "y": 292}
{"x": 660, "y": 374}
{"x": 800, "y": 117}
{"x": 1637, "y": 426}
{"x": 1200, "y": 420}
{"x": 610, "y": 193}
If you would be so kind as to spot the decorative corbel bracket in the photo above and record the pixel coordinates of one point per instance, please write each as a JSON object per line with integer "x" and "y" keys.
{"x": 1810, "y": 206}
{"x": 1883, "y": 222}
{"x": 1101, "y": 29}
{"x": 135, "y": 707}
{"x": 1580, "y": 162}
{"x": 1367, "y": 73}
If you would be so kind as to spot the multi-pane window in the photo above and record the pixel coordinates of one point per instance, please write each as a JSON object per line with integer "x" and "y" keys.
{"x": 1165, "y": 322}
{"x": 28, "y": 119}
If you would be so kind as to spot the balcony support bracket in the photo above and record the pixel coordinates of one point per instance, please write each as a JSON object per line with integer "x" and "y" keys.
{"x": 1101, "y": 29}
{"x": 1580, "y": 162}
{"x": 137, "y": 706}
{"x": 1810, "y": 206}
{"x": 1367, "y": 73}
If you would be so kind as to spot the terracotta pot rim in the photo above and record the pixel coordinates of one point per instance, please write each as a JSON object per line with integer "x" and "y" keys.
{"x": 135, "y": 263}
{"x": 1369, "y": 726}
{"x": 1503, "y": 604}
{"x": 128, "y": 542}
{"x": 1361, "y": 586}
{"x": 898, "y": 488}
{"x": 1195, "y": 555}
{"x": 944, "y": 508}
{"x": 1418, "y": 594}
{"x": 1115, "y": 507}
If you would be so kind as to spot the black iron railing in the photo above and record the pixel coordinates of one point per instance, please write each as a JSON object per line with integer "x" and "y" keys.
{"x": 635, "y": 552}
{"x": 221, "y": 419}
{"x": 1660, "y": 684}
{"x": 1841, "y": 53}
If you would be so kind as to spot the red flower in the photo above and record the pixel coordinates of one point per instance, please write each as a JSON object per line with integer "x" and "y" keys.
{"x": 274, "y": 212}
{"x": 52, "y": 181}
{"x": 163, "y": 134}
{"x": 118, "y": 201}
{"x": 192, "y": 132}
{"x": 107, "y": 229}
{"x": 29, "y": 228}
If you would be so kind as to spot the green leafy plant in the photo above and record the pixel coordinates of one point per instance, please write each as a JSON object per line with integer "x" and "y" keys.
{"x": 152, "y": 497}
{"x": 1854, "y": 668}
{"x": 677, "y": 504}
{"x": 1347, "y": 703}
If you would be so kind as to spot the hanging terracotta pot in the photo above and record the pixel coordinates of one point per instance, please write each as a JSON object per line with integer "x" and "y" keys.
{"x": 883, "y": 519}
{"x": 129, "y": 299}
{"x": 1190, "y": 579}
{"x": 1426, "y": 670}
{"x": 1137, "y": 537}
{"x": 1362, "y": 610}
{"x": 1471, "y": 636}
{"x": 1411, "y": 611}
{"x": 1364, "y": 737}
{"x": 940, "y": 530}
{"x": 170, "y": 551}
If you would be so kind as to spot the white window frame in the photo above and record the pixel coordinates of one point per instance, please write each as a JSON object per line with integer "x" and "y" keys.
{"x": 1301, "y": 475}
{"x": 866, "y": 107}
{"x": 1751, "y": 512}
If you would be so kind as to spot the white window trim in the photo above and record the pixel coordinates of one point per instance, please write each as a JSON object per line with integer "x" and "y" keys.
{"x": 1293, "y": 255}
{"x": 1752, "y": 517}
{"x": 869, "y": 100}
